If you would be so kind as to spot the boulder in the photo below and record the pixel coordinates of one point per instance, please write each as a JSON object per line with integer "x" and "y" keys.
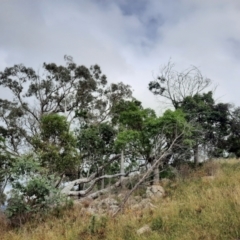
{"x": 145, "y": 203}
{"x": 108, "y": 205}
{"x": 155, "y": 191}
{"x": 143, "y": 229}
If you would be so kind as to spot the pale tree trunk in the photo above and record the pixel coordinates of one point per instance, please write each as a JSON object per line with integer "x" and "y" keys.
{"x": 196, "y": 155}
{"x": 156, "y": 175}
{"x": 103, "y": 182}
{"x": 122, "y": 168}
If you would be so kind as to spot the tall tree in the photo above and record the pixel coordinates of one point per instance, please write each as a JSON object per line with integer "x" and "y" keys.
{"x": 146, "y": 137}
{"x": 79, "y": 93}
{"x": 55, "y": 146}
{"x": 210, "y": 121}
{"x": 232, "y": 142}
{"x": 61, "y": 116}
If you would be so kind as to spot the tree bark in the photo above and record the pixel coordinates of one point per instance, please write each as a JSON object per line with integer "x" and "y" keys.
{"x": 196, "y": 155}
{"x": 122, "y": 168}
{"x": 156, "y": 175}
{"x": 67, "y": 190}
{"x": 103, "y": 182}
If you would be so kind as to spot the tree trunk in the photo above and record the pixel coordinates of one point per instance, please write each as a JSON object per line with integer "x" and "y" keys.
{"x": 196, "y": 155}
{"x": 103, "y": 182}
{"x": 80, "y": 185}
{"x": 156, "y": 174}
{"x": 122, "y": 168}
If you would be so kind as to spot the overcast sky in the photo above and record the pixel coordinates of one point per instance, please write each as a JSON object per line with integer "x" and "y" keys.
{"x": 129, "y": 39}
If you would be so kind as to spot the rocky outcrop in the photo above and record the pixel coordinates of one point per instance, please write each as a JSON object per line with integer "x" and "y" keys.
{"x": 155, "y": 191}
{"x": 111, "y": 204}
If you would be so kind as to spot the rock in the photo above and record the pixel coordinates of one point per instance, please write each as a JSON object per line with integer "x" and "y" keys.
{"x": 137, "y": 198}
{"x": 145, "y": 203}
{"x": 120, "y": 196}
{"x": 134, "y": 200}
{"x": 107, "y": 205}
{"x": 108, "y": 202}
{"x": 155, "y": 191}
{"x": 143, "y": 229}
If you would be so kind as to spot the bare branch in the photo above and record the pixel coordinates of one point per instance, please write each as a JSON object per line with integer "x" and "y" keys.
{"x": 175, "y": 86}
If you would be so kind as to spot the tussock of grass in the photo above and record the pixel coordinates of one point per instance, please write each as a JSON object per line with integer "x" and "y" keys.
{"x": 194, "y": 208}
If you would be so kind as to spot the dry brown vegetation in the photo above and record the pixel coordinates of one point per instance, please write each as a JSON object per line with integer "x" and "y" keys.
{"x": 203, "y": 205}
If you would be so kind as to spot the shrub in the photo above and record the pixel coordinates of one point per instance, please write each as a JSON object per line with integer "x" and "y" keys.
{"x": 33, "y": 192}
{"x": 210, "y": 167}
{"x": 184, "y": 171}
{"x": 157, "y": 224}
{"x": 168, "y": 172}
{"x": 3, "y": 222}
{"x": 32, "y": 199}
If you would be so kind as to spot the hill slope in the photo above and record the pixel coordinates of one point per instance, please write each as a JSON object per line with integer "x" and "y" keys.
{"x": 195, "y": 207}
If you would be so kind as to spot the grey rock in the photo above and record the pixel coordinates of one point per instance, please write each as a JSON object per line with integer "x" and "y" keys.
{"x": 155, "y": 191}
{"x": 143, "y": 229}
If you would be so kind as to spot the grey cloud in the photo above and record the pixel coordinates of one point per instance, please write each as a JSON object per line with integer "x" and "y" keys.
{"x": 234, "y": 47}
{"x": 128, "y": 39}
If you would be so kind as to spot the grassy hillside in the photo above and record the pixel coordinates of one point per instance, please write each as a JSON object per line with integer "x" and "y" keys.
{"x": 195, "y": 207}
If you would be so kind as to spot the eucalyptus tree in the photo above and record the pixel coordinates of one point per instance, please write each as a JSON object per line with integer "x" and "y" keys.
{"x": 232, "y": 142}
{"x": 146, "y": 137}
{"x": 55, "y": 146}
{"x": 158, "y": 139}
{"x": 96, "y": 146}
{"x": 81, "y": 94}
{"x": 50, "y": 113}
{"x": 210, "y": 121}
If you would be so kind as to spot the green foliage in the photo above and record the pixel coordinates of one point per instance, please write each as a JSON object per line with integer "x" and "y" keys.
{"x": 169, "y": 172}
{"x": 127, "y": 137}
{"x": 96, "y": 144}
{"x": 157, "y": 223}
{"x": 173, "y": 124}
{"x": 138, "y": 128}
{"x": 175, "y": 128}
{"x": 55, "y": 128}
{"x": 96, "y": 140}
{"x": 142, "y": 131}
{"x": 209, "y": 120}
{"x": 232, "y": 144}
{"x": 97, "y": 225}
{"x": 77, "y": 91}
{"x": 33, "y": 192}
{"x": 56, "y": 145}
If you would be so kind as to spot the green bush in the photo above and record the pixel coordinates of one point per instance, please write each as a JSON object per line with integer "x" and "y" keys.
{"x": 169, "y": 173}
{"x": 157, "y": 224}
{"x": 32, "y": 199}
{"x": 33, "y": 193}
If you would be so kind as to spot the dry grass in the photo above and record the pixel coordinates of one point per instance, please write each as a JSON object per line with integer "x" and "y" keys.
{"x": 193, "y": 209}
